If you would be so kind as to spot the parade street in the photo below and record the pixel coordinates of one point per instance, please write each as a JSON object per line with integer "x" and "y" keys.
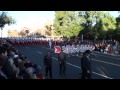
{"x": 103, "y": 66}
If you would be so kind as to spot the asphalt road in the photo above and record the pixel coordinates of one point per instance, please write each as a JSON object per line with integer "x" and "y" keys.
{"x": 103, "y": 66}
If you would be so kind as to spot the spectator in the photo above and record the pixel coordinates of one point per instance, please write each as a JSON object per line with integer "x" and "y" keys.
{"x": 8, "y": 67}
{"x": 30, "y": 73}
{"x": 2, "y": 74}
{"x": 16, "y": 66}
{"x": 26, "y": 74}
{"x": 39, "y": 73}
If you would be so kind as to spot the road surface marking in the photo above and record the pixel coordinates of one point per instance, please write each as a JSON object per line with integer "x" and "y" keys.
{"x": 102, "y": 75}
{"x": 92, "y": 72}
{"x": 106, "y": 62}
{"x": 39, "y": 52}
{"x": 106, "y": 56}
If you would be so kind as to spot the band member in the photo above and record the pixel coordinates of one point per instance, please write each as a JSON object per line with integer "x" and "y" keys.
{"x": 50, "y": 44}
{"x": 62, "y": 62}
{"x": 86, "y": 65}
{"x": 48, "y": 64}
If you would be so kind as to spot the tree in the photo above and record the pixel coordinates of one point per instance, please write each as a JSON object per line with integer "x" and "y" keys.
{"x": 5, "y": 20}
{"x": 66, "y": 23}
{"x": 87, "y": 20}
{"x": 97, "y": 24}
{"x": 116, "y": 34}
{"x": 90, "y": 24}
{"x": 49, "y": 28}
{"x": 107, "y": 26}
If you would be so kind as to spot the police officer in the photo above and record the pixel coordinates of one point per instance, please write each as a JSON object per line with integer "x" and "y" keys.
{"x": 62, "y": 62}
{"x": 86, "y": 65}
{"x": 48, "y": 64}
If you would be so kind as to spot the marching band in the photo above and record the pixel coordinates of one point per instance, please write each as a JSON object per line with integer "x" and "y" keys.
{"x": 67, "y": 46}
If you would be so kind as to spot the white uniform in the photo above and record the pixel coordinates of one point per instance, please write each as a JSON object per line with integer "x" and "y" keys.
{"x": 50, "y": 44}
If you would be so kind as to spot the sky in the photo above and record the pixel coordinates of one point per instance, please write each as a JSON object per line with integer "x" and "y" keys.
{"x": 32, "y": 19}
{"x": 28, "y": 19}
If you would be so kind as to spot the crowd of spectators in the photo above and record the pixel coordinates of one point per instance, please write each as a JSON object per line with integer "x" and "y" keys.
{"x": 14, "y": 65}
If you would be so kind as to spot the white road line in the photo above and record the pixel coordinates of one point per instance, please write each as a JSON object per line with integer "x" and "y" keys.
{"x": 105, "y": 53}
{"x": 39, "y": 52}
{"x": 97, "y": 60}
{"x": 73, "y": 65}
{"x": 102, "y": 75}
{"x": 93, "y": 54}
{"x": 107, "y": 56}
{"x": 80, "y": 68}
{"x": 107, "y": 62}
{"x": 104, "y": 62}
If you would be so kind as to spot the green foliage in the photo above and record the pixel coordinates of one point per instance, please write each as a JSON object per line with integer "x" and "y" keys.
{"x": 116, "y": 32}
{"x": 5, "y": 19}
{"x": 66, "y": 23}
{"x": 92, "y": 24}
